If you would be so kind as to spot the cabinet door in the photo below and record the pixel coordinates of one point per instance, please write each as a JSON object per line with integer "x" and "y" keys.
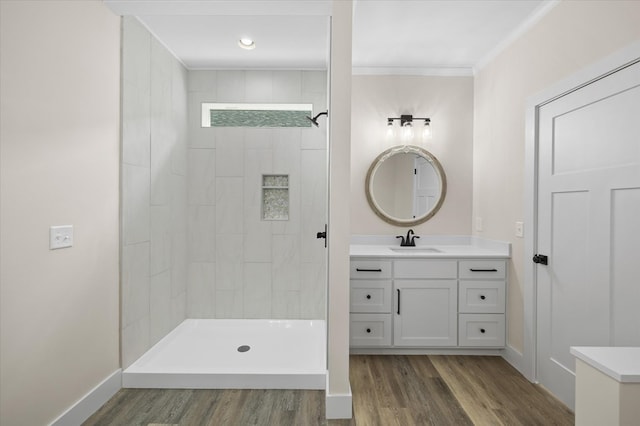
{"x": 425, "y": 313}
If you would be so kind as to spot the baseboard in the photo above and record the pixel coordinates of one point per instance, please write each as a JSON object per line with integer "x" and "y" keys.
{"x": 91, "y": 402}
{"x": 515, "y": 358}
{"x": 337, "y": 406}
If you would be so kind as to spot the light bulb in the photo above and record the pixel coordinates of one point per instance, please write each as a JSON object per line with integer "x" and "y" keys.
{"x": 407, "y": 132}
{"x": 391, "y": 131}
{"x": 426, "y": 130}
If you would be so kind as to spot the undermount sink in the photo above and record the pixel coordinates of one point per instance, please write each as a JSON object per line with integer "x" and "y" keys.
{"x": 415, "y": 250}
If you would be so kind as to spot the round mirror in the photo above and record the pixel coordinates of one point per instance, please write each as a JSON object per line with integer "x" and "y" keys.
{"x": 405, "y": 185}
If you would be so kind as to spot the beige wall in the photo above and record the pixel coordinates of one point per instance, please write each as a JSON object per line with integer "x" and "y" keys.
{"x": 448, "y": 101}
{"x": 59, "y": 165}
{"x": 571, "y": 36}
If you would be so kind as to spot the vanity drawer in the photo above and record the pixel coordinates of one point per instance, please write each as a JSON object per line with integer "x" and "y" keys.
{"x": 486, "y": 330}
{"x": 370, "y": 296}
{"x": 370, "y": 269}
{"x": 425, "y": 269}
{"x": 481, "y": 297}
{"x": 370, "y": 330}
{"x": 482, "y": 269}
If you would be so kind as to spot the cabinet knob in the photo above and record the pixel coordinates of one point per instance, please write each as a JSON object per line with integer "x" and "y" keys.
{"x": 482, "y": 330}
{"x": 368, "y": 330}
{"x": 482, "y": 297}
{"x": 368, "y": 296}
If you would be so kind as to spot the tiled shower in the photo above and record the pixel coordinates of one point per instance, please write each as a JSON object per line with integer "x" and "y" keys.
{"x": 194, "y": 240}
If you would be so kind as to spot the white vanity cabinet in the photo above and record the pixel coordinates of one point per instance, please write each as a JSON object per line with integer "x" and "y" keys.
{"x": 427, "y": 303}
{"x": 370, "y": 303}
{"x": 481, "y": 303}
{"x": 426, "y": 300}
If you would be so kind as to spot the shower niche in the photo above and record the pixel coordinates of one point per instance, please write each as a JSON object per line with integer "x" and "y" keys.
{"x": 275, "y": 197}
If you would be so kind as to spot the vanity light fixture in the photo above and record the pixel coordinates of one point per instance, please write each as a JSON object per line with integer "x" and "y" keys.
{"x": 406, "y": 127}
{"x": 247, "y": 43}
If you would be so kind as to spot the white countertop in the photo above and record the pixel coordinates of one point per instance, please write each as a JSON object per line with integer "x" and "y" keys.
{"x": 433, "y": 247}
{"x": 619, "y": 363}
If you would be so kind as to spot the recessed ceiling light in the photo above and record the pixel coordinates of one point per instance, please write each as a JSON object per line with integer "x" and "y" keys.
{"x": 246, "y": 43}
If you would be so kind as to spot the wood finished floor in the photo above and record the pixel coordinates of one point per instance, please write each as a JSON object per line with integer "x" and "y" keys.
{"x": 387, "y": 390}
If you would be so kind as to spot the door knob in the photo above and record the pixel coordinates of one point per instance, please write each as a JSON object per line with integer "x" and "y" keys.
{"x": 541, "y": 259}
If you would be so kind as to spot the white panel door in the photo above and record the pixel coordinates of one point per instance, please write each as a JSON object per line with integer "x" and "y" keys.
{"x": 588, "y": 225}
{"x": 426, "y": 186}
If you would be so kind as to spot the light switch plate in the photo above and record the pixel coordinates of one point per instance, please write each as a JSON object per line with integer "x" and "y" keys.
{"x": 519, "y": 229}
{"x": 60, "y": 237}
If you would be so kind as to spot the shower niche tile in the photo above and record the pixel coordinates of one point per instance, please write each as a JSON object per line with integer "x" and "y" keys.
{"x": 275, "y": 197}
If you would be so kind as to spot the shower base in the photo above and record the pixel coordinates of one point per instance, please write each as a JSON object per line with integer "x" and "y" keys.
{"x": 234, "y": 354}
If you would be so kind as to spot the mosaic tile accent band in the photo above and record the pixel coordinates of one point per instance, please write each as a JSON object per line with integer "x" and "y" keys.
{"x": 259, "y": 118}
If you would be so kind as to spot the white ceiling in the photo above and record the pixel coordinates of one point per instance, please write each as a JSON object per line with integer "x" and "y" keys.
{"x": 389, "y": 36}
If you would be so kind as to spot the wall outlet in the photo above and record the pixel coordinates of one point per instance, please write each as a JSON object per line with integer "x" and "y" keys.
{"x": 478, "y": 224}
{"x": 60, "y": 237}
{"x": 519, "y": 229}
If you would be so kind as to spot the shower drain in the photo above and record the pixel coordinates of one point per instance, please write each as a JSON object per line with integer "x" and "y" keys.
{"x": 244, "y": 348}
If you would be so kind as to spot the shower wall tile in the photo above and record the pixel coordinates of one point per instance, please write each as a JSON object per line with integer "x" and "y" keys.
{"x": 314, "y": 138}
{"x": 257, "y": 233}
{"x": 160, "y": 179}
{"x": 135, "y": 200}
{"x": 230, "y": 86}
{"x": 285, "y": 304}
{"x": 258, "y": 86}
{"x": 135, "y": 341}
{"x": 229, "y": 205}
{"x": 257, "y": 290}
{"x": 136, "y": 122}
{"x": 179, "y": 108}
{"x": 313, "y": 288}
{"x": 201, "y": 238}
{"x": 229, "y": 263}
{"x": 229, "y": 304}
{"x": 178, "y": 204}
{"x": 202, "y": 176}
{"x": 286, "y": 272}
{"x": 135, "y": 282}
{"x": 257, "y": 138}
{"x": 286, "y": 160}
{"x": 160, "y": 259}
{"x": 258, "y": 264}
{"x": 201, "y": 290}
{"x": 287, "y": 87}
{"x": 178, "y": 309}
{"x": 257, "y": 241}
{"x": 199, "y": 137}
{"x": 203, "y": 81}
{"x": 230, "y": 151}
{"x": 154, "y": 191}
{"x": 136, "y": 51}
{"x": 179, "y": 264}
{"x": 160, "y": 320}
{"x": 313, "y": 201}
{"x": 314, "y": 81}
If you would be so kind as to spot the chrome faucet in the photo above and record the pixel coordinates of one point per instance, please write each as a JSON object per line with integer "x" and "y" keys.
{"x": 409, "y": 240}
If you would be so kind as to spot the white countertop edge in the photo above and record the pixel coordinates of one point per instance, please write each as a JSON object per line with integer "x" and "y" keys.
{"x": 619, "y": 363}
{"x": 451, "y": 246}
